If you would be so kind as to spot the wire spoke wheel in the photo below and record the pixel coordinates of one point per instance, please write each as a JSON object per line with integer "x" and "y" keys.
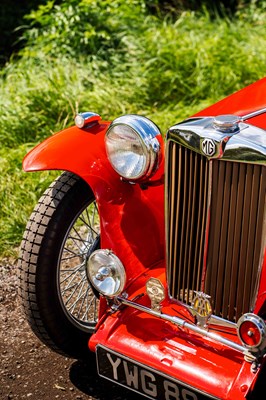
{"x": 58, "y": 300}
{"x": 78, "y": 299}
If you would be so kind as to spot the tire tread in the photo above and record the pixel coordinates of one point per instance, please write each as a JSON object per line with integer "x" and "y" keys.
{"x": 30, "y": 250}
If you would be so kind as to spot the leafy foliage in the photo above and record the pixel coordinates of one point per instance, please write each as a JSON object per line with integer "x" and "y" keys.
{"x": 83, "y": 27}
{"x": 11, "y": 17}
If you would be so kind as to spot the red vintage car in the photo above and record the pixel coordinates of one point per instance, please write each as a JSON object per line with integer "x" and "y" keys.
{"x": 151, "y": 253}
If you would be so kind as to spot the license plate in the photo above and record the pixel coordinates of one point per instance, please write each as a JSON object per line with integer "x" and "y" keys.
{"x": 142, "y": 379}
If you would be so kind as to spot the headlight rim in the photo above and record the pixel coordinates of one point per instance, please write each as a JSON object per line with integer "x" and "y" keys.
{"x": 120, "y": 268}
{"x": 147, "y": 132}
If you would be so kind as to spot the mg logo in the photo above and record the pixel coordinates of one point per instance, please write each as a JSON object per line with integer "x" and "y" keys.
{"x": 208, "y": 147}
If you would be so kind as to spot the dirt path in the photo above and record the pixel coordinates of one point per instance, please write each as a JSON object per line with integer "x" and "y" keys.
{"x": 29, "y": 370}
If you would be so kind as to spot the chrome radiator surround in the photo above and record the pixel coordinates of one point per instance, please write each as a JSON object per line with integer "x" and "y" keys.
{"x": 215, "y": 184}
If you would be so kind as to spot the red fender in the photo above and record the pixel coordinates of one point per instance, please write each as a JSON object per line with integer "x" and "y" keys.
{"x": 249, "y": 99}
{"x": 132, "y": 218}
{"x": 242, "y": 102}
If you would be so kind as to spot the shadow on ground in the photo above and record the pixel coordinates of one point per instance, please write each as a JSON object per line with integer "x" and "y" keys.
{"x": 84, "y": 376}
{"x": 30, "y": 370}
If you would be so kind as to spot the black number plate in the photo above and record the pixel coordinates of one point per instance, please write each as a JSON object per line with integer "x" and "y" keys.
{"x": 142, "y": 379}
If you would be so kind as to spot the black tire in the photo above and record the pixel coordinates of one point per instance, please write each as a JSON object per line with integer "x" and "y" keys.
{"x": 58, "y": 301}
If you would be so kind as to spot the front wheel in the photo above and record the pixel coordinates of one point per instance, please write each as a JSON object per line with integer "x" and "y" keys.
{"x": 62, "y": 232}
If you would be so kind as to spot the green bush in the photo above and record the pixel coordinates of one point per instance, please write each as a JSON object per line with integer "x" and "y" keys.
{"x": 83, "y": 27}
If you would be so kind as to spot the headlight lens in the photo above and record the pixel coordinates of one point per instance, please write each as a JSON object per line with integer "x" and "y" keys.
{"x": 132, "y": 147}
{"x": 106, "y": 273}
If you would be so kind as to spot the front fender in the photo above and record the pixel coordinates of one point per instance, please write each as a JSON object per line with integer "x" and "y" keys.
{"x": 73, "y": 149}
{"x": 132, "y": 218}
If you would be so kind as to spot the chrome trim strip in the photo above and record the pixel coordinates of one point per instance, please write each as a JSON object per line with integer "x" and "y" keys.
{"x": 184, "y": 324}
{"x": 166, "y": 210}
{"x": 248, "y": 144}
{"x": 253, "y": 114}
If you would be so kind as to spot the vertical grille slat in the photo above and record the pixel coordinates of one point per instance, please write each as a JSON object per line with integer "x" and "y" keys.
{"x": 243, "y": 238}
{"x": 171, "y": 205}
{"x": 191, "y": 249}
{"x": 234, "y": 262}
{"x": 260, "y": 224}
{"x": 215, "y": 229}
{"x": 202, "y": 221}
{"x": 189, "y": 227}
{"x": 188, "y": 215}
{"x": 230, "y": 237}
{"x": 254, "y": 189}
{"x": 225, "y": 206}
{"x": 177, "y": 233}
{"x": 182, "y": 270}
{"x": 214, "y": 239}
{"x": 196, "y": 270}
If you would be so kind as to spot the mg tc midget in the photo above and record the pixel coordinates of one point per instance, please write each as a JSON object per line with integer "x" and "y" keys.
{"x": 151, "y": 252}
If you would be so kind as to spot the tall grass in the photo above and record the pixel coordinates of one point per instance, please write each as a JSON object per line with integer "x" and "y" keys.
{"x": 114, "y": 58}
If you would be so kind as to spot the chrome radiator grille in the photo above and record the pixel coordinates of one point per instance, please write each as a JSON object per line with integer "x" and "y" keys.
{"x": 216, "y": 211}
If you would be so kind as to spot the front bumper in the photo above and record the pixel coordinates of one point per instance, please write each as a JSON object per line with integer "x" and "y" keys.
{"x": 203, "y": 363}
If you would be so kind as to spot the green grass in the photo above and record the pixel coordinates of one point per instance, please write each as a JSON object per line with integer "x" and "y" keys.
{"x": 123, "y": 61}
{"x": 18, "y": 194}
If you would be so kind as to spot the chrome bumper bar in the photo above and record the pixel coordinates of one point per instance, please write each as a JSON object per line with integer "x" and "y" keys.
{"x": 187, "y": 325}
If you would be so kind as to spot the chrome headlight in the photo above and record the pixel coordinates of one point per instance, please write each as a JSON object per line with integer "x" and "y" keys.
{"x": 132, "y": 147}
{"x": 106, "y": 273}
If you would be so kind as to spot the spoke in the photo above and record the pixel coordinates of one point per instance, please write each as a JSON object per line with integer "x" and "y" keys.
{"x": 63, "y": 271}
{"x": 93, "y": 215}
{"x": 69, "y": 258}
{"x": 72, "y": 252}
{"x": 95, "y": 309}
{"x": 80, "y": 294}
{"x": 87, "y": 309}
{"x": 88, "y": 215}
{"x": 69, "y": 283}
{"x": 74, "y": 240}
{"x": 69, "y": 288}
{"x": 95, "y": 206}
{"x": 83, "y": 300}
{"x": 78, "y": 234}
{"x": 86, "y": 243}
{"x": 77, "y": 296}
{"x": 91, "y": 228}
{"x": 75, "y": 271}
{"x": 70, "y": 297}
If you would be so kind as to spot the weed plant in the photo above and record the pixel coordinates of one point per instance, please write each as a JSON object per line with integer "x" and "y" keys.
{"x": 114, "y": 57}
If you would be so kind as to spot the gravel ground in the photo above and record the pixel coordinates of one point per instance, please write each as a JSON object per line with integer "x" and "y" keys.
{"x": 29, "y": 370}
